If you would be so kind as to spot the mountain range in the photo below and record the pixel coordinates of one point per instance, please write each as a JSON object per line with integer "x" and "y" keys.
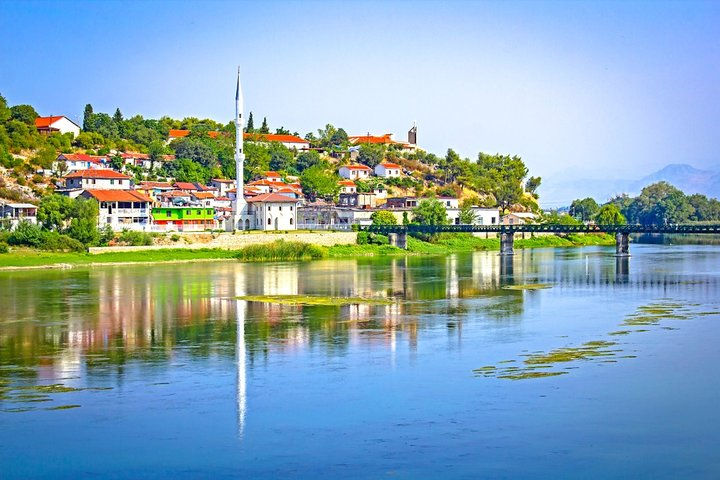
{"x": 558, "y": 193}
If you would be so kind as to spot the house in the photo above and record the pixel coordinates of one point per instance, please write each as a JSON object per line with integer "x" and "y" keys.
{"x": 141, "y": 160}
{"x": 518, "y": 218}
{"x": 121, "y": 209}
{"x": 355, "y": 172}
{"x": 273, "y": 211}
{"x": 449, "y": 202}
{"x": 72, "y": 162}
{"x": 206, "y": 199}
{"x": 273, "y": 177}
{"x": 183, "y": 218}
{"x": 486, "y": 216}
{"x": 153, "y": 189}
{"x": 388, "y": 170}
{"x": 191, "y": 187}
{"x": 289, "y": 141}
{"x": 61, "y": 124}
{"x": 18, "y": 212}
{"x": 386, "y": 139}
{"x": 357, "y": 200}
{"x": 98, "y": 178}
{"x": 347, "y": 186}
{"x": 401, "y": 202}
{"x": 222, "y": 185}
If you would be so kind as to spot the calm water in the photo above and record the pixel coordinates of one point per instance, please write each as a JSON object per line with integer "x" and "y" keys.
{"x": 157, "y": 371}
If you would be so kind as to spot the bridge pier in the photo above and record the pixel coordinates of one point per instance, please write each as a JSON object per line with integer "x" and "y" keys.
{"x": 506, "y": 243}
{"x": 398, "y": 240}
{"x": 622, "y": 244}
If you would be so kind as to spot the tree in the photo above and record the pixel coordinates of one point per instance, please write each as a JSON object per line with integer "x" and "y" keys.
{"x": 83, "y": 223}
{"x": 317, "y": 181}
{"x": 24, "y": 113}
{"x": 467, "y": 215}
{"x": 584, "y": 209}
{"x": 264, "y": 129}
{"x": 185, "y": 170}
{"x": 281, "y": 158}
{"x": 371, "y": 154}
{"x": 282, "y": 131}
{"x": 383, "y": 217}
{"x": 532, "y": 185}
{"x": 430, "y": 211}
{"x": 54, "y": 210}
{"x": 609, "y": 214}
{"x": 195, "y": 149}
{"x": 44, "y": 157}
{"x": 661, "y": 203}
{"x": 5, "y": 112}
{"x": 250, "y": 127}
{"x": 307, "y": 159}
{"x": 87, "y": 117}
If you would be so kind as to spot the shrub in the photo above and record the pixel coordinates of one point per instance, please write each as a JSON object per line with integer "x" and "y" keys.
{"x": 56, "y": 242}
{"x": 4, "y": 248}
{"x": 280, "y": 250}
{"x": 136, "y": 239}
{"x": 175, "y": 237}
{"x": 27, "y": 234}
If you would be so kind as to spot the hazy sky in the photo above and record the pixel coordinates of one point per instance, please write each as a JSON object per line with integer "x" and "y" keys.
{"x": 577, "y": 89}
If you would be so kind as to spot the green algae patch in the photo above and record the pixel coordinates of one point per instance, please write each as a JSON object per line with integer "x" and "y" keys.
{"x": 315, "y": 300}
{"x": 529, "y": 375}
{"x": 620, "y": 332}
{"x": 529, "y": 286}
{"x": 586, "y": 351}
{"x": 62, "y": 407}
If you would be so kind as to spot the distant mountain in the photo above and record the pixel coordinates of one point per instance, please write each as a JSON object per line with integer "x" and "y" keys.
{"x": 557, "y": 193}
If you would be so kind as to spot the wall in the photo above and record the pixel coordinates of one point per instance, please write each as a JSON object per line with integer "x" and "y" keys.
{"x": 229, "y": 241}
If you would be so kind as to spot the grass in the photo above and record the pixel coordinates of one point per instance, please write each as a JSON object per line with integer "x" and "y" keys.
{"x": 281, "y": 250}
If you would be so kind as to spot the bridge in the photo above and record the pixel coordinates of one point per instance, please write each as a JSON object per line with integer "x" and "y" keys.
{"x": 398, "y": 233}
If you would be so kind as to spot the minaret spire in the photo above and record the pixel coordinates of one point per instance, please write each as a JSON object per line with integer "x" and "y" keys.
{"x": 240, "y": 204}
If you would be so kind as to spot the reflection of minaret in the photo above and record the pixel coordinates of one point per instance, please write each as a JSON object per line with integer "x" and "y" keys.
{"x": 240, "y": 204}
{"x": 240, "y": 310}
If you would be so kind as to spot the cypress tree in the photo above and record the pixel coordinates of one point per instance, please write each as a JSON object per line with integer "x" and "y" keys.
{"x": 87, "y": 118}
{"x": 264, "y": 128}
{"x": 250, "y": 128}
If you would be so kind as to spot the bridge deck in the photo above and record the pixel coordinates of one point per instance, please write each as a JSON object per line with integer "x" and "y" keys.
{"x": 548, "y": 227}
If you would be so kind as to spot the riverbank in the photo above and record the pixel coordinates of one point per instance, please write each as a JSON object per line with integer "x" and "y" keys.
{"x": 25, "y": 258}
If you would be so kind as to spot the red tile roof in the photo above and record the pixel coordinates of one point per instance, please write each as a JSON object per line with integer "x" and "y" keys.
{"x": 203, "y": 195}
{"x": 153, "y": 185}
{"x": 178, "y": 133}
{"x": 45, "y": 122}
{"x": 272, "y": 137}
{"x": 134, "y": 155}
{"x": 222, "y": 180}
{"x": 81, "y": 157}
{"x": 272, "y": 197}
{"x": 272, "y": 174}
{"x": 97, "y": 173}
{"x": 347, "y": 183}
{"x": 117, "y": 196}
{"x": 391, "y": 165}
{"x": 357, "y": 167}
{"x": 371, "y": 139}
{"x": 185, "y": 186}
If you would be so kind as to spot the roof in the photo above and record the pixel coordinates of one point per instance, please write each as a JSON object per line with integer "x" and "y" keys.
{"x": 272, "y": 198}
{"x": 185, "y": 186}
{"x": 347, "y": 183}
{"x": 178, "y": 133}
{"x": 203, "y": 195}
{"x": 97, "y": 173}
{"x": 272, "y": 174}
{"x": 273, "y": 137}
{"x": 149, "y": 184}
{"x": 46, "y": 122}
{"x": 81, "y": 157}
{"x": 390, "y": 165}
{"x": 387, "y": 138}
{"x": 222, "y": 180}
{"x": 20, "y": 205}
{"x": 118, "y": 196}
{"x": 134, "y": 155}
{"x": 356, "y": 167}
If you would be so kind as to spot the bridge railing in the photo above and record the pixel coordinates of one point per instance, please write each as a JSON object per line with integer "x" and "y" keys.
{"x": 544, "y": 227}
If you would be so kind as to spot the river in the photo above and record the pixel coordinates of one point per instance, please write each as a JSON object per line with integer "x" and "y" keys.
{"x": 554, "y": 363}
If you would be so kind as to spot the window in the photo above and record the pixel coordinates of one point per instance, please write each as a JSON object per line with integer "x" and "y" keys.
{"x": 492, "y": 220}
{"x": 280, "y": 208}
{"x": 168, "y": 214}
{"x": 93, "y": 181}
{"x": 291, "y": 208}
{"x": 269, "y": 221}
{"x": 112, "y": 182}
{"x": 291, "y": 221}
{"x": 268, "y": 208}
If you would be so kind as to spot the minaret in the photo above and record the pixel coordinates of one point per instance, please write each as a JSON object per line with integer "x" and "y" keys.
{"x": 240, "y": 204}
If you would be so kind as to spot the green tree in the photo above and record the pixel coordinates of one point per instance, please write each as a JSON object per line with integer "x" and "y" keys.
{"x": 371, "y": 154}
{"x": 24, "y": 113}
{"x": 250, "y": 127}
{"x": 584, "y": 209}
{"x": 318, "y": 181}
{"x": 264, "y": 129}
{"x": 197, "y": 150}
{"x": 44, "y": 157}
{"x": 307, "y": 159}
{"x": 87, "y": 117}
{"x": 609, "y": 214}
{"x": 83, "y": 222}
{"x": 281, "y": 158}
{"x": 430, "y": 211}
{"x": 532, "y": 185}
{"x": 185, "y": 170}
{"x": 282, "y": 131}
{"x": 467, "y": 215}
{"x": 5, "y": 112}
{"x": 54, "y": 211}
{"x": 383, "y": 217}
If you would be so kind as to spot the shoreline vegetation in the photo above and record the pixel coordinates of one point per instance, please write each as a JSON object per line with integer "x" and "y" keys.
{"x": 280, "y": 250}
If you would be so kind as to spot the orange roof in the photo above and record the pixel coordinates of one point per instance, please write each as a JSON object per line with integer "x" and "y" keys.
{"x": 81, "y": 157}
{"x": 117, "y": 196}
{"x": 273, "y": 137}
{"x": 222, "y": 199}
{"x": 347, "y": 183}
{"x": 185, "y": 186}
{"x": 97, "y": 173}
{"x": 134, "y": 155}
{"x": 222, "y": 180}
{"x": 203, "y": 195}
{"x": 44, "y": 122}
{"x": 371, "y": 139}
{"x": 272, "y": 174}
{"x": 178, "y": 133}
{"x": 272, "y": 197}
{"x": 153, "y": 185}
{"x": 357, "y": 167}
{"x": 391, "y": 165}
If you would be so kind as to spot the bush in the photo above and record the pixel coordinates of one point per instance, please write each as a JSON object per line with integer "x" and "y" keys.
{"x": 367, "y": 238}
{"x": 4, "y": 248}
{"x": 56, "y": 242}
{"x": 27, "y": 234}
{"x": 280, "y": 250}
{"x": 135, "y": 239}
{"x": 175, "y": 237}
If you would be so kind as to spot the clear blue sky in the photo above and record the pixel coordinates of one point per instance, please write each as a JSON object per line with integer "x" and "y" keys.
{"x": 578, "y": 89}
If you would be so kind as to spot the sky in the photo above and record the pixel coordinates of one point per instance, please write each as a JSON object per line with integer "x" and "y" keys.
{"x": 578, "y": 89}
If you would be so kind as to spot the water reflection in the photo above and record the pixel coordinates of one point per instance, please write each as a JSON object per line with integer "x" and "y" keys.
{"x": 84, "y": 326}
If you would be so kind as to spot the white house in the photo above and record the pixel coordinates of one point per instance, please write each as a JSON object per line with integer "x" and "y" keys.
{"x": 222, "y": 185}
{"x": 18, "y": 212}
{"x": 78, "y": 161}
{"x": 388, "y": 170}
{"x": 274, "y": 211}
{"x": 449, "y": 202}
{"x": 122, "y": 209}
{"x": 60, "y": 124}
{"x": 347, "y": 186}
{"x": 290, "y": 141}
{"x": 206, "y": 199}
{"x": 355, "y": 172}
{"x": 273, "y": 177}
{"x": 486, "y": 216}
{"x": 99, "y": 178}
{"x": 518, "y": 218}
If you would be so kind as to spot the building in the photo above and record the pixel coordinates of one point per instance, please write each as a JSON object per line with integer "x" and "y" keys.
{"x": 355, "y": 172}
{"x": 60, "y": 124}
{"x": 18, "y": 212}
{"x": 386, "y": 139}
{"x": 121, "y": 209}
{"x": 100, "y": 179}
{"x": 292, "y": 142}
{"x": 222, "y": 185}
{"x": 388, "y": 170}
{"x": 347, "y": 186}
{"x": 183, "y": 218}
{"x": 273, "y": 211}
{"x": 449, "y": 202}
{"x": 401, "y": 202}
{"x": 72, "y": 162}
{"x": 518, "y": 218}
{"x": 357, "y": 200}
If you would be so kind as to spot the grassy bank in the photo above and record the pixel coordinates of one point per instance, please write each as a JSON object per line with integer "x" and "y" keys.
{"x": 291, "y": 251}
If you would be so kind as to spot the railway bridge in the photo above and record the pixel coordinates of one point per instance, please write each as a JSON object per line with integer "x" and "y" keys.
{"x": 398, "y": 233}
